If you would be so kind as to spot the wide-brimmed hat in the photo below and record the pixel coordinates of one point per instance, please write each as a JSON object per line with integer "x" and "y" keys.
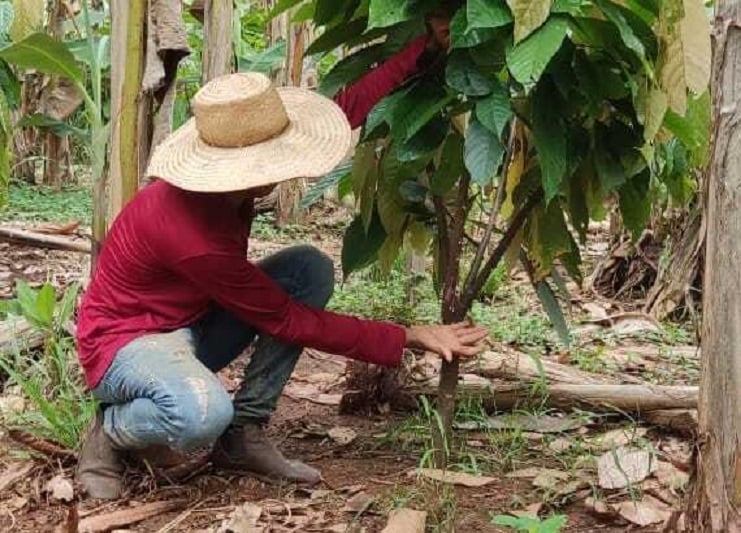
{"x": 247, "y": 133}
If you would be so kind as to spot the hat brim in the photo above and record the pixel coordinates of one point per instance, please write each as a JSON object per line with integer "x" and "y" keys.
{"x": 317, "y": 139}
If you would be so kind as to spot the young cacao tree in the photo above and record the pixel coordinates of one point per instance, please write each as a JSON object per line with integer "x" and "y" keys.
{"x": 540, "y": 113}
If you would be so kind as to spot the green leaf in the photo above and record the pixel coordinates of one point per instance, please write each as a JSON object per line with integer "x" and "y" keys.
{"x": 553, "y": 309}
{"x": 383, "y": 112}
{"x": 60, "y": 129}
{"x": 547, "y": 237}
{"x": 462, "y": 36}
{"x": 365, "y": 179}
{"x": 616, "y": 16}
{"x": 337, "y": 35}
{"x": 487, "y": 14}
{"x": 266, "y": 62}
{"x": 463, "y": 75}
{"x": 528, "y": 60}
{"x": 413, "y": 192}
{"x": 281, "y": 6}
{"x": 529, "y": 15}
{"x": 305, "y": 13}
{"x": 45, "y": 302}
{"x": 450, "y": 167}
{"x": 67, "y": 304}
{"x": 360, "y": 247}
{"x": 572, "y": 7}
{"x": 651, "y": 106}
{"x": 80, "y": 48}
{"x": 494, "y": 111}
{"x": 608, "y": 166}
{"x": 44, "y": 54}
{"x": 635, "y": 203}
{"x": 350, "y": 69}
{"x": 416, "y": 108}
{"x": 391, "y": 208}
{"x": 329, "y": 181}
{"x": 424, "y": 142}
{"x": 329, "y": 11}
{"x": 549, "y": 135}
{"x": 483, "y": 153}
{"x": 384, "y": 13}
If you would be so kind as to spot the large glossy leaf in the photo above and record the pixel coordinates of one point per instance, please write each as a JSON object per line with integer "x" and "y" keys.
{"x": 515, "y": 171}
{"x": 80, "y": 48}
{"x": 450, "y": 166}
{"x": 337, "y": 35}
{"x": 417, "y": 107}
{"x": 487, "y": 14}
{"x": 350, "y": 69}
{"x": 44, "y": 54}
{"x": 529, "y": 15}
{"x": 635, "y": 204}
{"x": 384, "y": 13}
{"x": 547, "y": 237}
{"x": 672, "y": 75}
{"x": 549, "y": 136}
{"x": 365, "y": 179}
{"x": 628, "y": 35}
{"x": 332, "y": 11}
{"x": 483, "y": 153}
{"x": 463, "y": 75}
{"x": 494, "y": 111}
{"x": 528, "y": 60}
{"x": 360, "y": 247}
{"x": 462, "y": 36}
{"x": 424, "y": 142}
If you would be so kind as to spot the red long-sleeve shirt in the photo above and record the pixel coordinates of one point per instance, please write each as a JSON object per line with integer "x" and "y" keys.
{"x": 170, "y": 254}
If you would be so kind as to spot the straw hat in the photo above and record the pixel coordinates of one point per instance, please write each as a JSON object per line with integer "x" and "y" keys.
{"x": 246, "y": 134}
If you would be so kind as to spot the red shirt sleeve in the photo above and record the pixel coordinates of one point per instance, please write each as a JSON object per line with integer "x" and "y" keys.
{"x": 358, "y": 99}
{"x": 244, "y": 289}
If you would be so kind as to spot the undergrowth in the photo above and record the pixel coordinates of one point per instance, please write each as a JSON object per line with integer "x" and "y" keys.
{"x": 28, "y": 203}
{"x": 57, "y": 404}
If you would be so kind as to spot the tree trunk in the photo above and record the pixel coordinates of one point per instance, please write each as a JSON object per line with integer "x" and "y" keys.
{"x": 56, "y": 148}
{"x": 715, "y": 499}
{"x": 297, "y": 37}
{"x": 218, "y": 48}
{"x": 127, "y": 49}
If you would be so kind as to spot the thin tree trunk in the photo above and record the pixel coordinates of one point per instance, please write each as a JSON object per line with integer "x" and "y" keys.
{"x": 715, "y": 499}
{"x": 218, "y": 49}
{"x": 127, "y": 49}
{"x": 56, "y": 149}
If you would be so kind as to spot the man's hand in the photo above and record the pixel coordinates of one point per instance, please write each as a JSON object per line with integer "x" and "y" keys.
{"x": 461, "y": 340}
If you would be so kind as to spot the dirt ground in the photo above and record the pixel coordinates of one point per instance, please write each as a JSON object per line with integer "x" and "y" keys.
{"x": 368, "y": 462}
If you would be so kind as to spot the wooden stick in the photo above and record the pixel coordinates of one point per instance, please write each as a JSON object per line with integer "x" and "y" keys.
{"x": 40, "y": 240}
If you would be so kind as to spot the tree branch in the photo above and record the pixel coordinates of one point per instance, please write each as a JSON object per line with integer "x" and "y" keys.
{"x": 476, "y": 284}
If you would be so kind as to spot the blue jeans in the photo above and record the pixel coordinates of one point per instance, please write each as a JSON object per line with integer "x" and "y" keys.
{"x": 161, "y": 389}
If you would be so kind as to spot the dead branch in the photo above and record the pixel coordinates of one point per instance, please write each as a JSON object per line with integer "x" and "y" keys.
{"x": 40, "y": 240}
{"x": 48, "y": 448}
{"x": 125, "y": 517}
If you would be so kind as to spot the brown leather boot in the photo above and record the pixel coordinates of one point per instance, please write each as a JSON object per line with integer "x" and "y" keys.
{"x": 99, "y": 464}
{"x": 248, "y": 449}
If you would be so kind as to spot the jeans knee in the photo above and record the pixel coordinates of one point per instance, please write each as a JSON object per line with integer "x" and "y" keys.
{"x": 204, "y": 415}
{"x": 320, "y": 275}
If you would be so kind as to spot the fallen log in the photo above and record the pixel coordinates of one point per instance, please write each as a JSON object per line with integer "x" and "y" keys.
{"x": 629, "y": 398}
{"x": 17, "y": 334}
{"x": 42, "y": 240}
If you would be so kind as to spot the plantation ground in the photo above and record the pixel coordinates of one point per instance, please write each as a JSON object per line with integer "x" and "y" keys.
{"x": 369, "y": 461}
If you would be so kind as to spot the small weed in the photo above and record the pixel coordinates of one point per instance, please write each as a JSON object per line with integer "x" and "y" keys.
{"x": 553, "y": 524}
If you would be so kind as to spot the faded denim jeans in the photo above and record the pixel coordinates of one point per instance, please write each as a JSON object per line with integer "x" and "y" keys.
{"x": 161, "y": 389}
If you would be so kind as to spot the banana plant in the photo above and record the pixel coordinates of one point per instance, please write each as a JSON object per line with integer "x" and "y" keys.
{"x": 82, "y": 63}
